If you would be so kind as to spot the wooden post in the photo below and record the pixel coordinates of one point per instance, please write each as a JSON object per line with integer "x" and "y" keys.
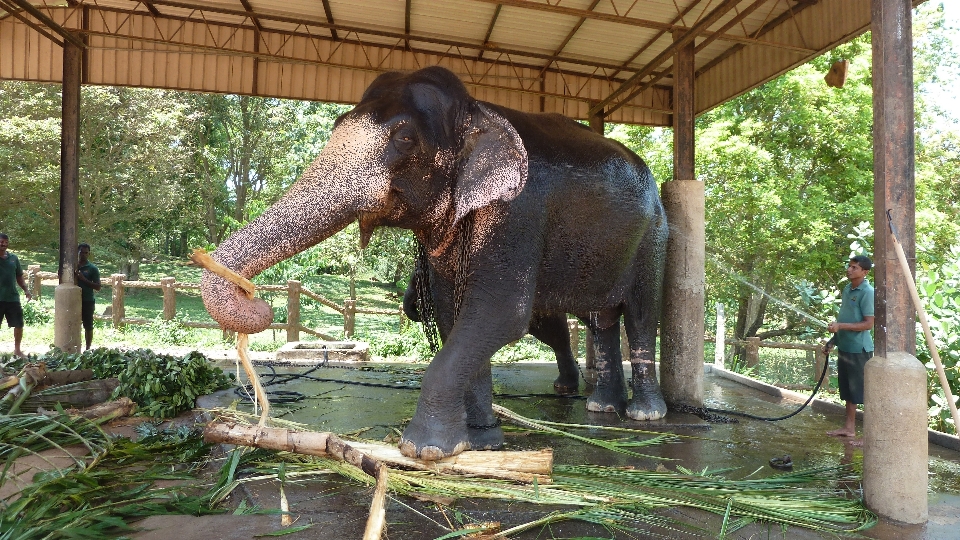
{"x": 34, "y": 272}
{"x": 821, "y": 359}
{"x": 167, "y": 285}
{"x": 753, "y": 352}
{"x": 720, "y": 349}
{"x": 349, "y": 317}
{"x": 293, "y": 310}
{"x": 118, "y": 309}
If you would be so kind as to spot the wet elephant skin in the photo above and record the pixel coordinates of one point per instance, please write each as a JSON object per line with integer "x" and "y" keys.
{"x": 523, "y": 218}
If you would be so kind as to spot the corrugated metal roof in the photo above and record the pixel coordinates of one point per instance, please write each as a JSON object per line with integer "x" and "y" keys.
{"x": 573, "y": 57}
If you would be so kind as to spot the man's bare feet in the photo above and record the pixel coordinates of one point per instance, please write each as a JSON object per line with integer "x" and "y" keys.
{"x": 858, "y": 443}
{"x": 842, "y": 433}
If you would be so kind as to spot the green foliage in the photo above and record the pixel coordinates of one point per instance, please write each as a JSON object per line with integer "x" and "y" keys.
{"x": 409, "y": 343}
{"x": 35, "y": 313}
{"x": 939, "y": 288}
{"x": 162, "y": 385}
{"x": 127, "y": 482}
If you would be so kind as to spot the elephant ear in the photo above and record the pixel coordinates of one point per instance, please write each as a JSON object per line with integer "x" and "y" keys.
{"x": 495, "y": 163}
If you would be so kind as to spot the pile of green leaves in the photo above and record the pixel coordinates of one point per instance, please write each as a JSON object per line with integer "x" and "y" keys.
{"x": 117, "y": 485}
{"x": 162, "y": 385}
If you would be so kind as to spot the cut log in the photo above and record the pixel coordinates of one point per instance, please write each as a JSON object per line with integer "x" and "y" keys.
{"x": 526, "y": 467}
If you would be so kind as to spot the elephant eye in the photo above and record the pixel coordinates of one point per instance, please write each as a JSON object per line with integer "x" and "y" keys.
{"x": 405, "y": 142}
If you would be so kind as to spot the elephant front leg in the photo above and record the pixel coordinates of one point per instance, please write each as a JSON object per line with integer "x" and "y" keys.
{"x": 647, "y": 402}
{"x": 438, "y": 428}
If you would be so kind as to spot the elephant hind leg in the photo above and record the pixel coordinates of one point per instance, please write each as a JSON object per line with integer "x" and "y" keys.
{"x": 610, "y": 392}
{"x": 552, "y": 330}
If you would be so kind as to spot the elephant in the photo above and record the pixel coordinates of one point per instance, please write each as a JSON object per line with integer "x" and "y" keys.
{"x": 523, "y": 217}
{"x": 550, "y": 329}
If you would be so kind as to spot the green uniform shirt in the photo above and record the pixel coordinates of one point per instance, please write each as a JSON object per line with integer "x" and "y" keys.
{"x": 856, "y": 304}
{"x": 92, "y": 273}
{"x": 10, "y": 270}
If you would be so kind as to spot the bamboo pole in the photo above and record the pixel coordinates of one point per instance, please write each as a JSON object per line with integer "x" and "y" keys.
{"x": 377, "y": 520}
{"x": 922, "y": 314}
{"x": 526, "y": 467}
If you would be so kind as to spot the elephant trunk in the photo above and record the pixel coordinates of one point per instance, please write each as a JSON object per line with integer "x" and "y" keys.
{"x": 331, "y": 193}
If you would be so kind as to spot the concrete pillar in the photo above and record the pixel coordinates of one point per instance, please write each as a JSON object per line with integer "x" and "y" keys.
{"x": 66, "y": 318}
{"x": 681, "y": 328}
{"x": 895, "y": 437}
{"x": 118, "y": 309}
{"x": 721, "y": 343}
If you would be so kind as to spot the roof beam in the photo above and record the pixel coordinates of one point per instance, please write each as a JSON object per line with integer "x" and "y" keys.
{"x": 731, "y": 23}
{"x": 406, "y": 22}
{"x": 493, "y": 21}
{"x": 689, "y": 36}
{"x": 253, "y": 16}
{"x": 152, "y": 9}
{"x": 633, "y": 21}
{"x": 400, "y": 36}
{"x": 567, "y": 39}
{"x": 660, "y": 34}
{"x": 48, "y": 22}
{"x": 329, "y": 14}
{"x": 14, "y": 11}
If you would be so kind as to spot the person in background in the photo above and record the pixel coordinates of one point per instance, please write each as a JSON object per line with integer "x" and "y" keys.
{"x": 11, "y": 275}
{"x": 853, "y": 340}
{"x": 88, "y": 278}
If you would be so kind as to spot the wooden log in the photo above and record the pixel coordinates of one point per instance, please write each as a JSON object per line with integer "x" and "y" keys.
{"x": 525, "y": 467}
{"x": 377, "y": 519}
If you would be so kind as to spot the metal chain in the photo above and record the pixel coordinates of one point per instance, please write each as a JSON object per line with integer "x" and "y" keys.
{"x": 425, "y": 306}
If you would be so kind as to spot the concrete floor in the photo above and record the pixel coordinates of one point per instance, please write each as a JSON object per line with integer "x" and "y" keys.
{"x": 338, "y": 509}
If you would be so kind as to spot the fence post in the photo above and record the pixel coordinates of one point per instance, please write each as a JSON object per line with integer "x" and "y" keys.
{"x": 34, "y": 272}
{"x": 169, "y": 298}
{"x": 349, "y": 317}
{"x": 821, "y": 359}
{"x": 293, "y": 310}
{"x": 118, "y": 309}
{"x": 720, "y": 349}
{"x": 753, "y": 352}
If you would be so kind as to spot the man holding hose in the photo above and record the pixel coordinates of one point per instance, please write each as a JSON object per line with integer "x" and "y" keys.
{"x": 854, "y": 342}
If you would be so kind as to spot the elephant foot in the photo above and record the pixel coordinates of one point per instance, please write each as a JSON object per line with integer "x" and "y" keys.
{"x": 607, "y": 400}
{"x": 432, "y": 441}
{"x": 566, "y": 386}
{"x": 647, "y": 406}
{"x": 485, "y": 437}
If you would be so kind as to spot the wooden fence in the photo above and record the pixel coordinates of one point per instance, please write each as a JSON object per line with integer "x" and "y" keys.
{"x": 168, "y": 286}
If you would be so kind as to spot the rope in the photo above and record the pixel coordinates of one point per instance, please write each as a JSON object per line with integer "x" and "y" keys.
{"x": 204, "y": 260}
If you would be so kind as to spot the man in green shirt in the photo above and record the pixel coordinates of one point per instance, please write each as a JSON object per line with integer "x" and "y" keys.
{"x": 11, "y": 275}
{"x": 88, "y": 278}
{"x": 854, "y": 342}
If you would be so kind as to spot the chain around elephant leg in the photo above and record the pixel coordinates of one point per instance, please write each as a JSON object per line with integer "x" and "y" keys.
{"x": 647, "y": 402}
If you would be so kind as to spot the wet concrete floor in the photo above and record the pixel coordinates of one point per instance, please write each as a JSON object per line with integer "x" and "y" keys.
{"x": 332, "y": 401}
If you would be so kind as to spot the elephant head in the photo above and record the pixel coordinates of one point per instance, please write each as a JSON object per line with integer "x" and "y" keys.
{"x": 417, "y": 152}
